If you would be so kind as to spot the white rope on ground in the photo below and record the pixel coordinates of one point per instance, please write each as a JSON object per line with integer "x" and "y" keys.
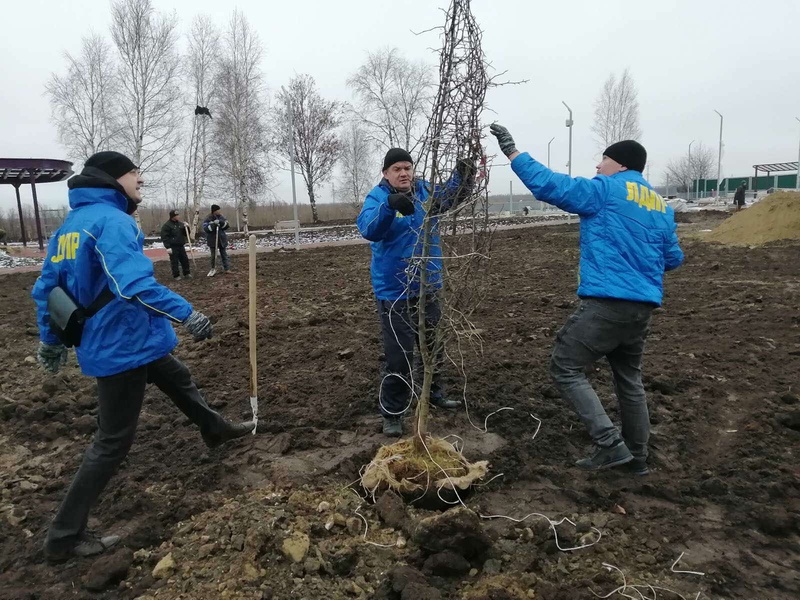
{"x": 635, "y": 588}
{"x": 677, "y": 560}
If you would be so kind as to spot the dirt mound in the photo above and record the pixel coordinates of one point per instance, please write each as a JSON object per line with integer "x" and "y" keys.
{"x": 776, "y": 217}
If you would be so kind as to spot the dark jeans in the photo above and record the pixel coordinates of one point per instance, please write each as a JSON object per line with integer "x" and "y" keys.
{"x": 223, "y": 254}
{"x": 399, "y": 325}
{"x": 617, "y": 330}
{"x": 179, "y": 256}
{"x": 119, "y": 403}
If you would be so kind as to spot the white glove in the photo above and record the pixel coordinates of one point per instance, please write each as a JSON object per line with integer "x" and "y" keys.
{"x": 169, "y": 250}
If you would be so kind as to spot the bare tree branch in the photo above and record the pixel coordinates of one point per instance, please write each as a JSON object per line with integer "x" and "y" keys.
{"x": 616, "y": 111}
{"x": 357, "y": 163}
{"x": 681, "y": 172}
{"x": 316, "y": 145}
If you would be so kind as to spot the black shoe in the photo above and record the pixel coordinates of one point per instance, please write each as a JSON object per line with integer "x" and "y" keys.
{"x": 392, "y": 426}
{"x": 88, "y": 544}
{"x": 230, "y": 432}
{"x": 188, "y": 276}
{"x": 605, "y": 458}
{"x": 442, "y": 403}
{"x": 638, "y": 466}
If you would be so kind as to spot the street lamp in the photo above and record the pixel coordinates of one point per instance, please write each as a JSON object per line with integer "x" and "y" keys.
{"x": 548, "y": 151}
{"x": 690, "y": 167}
{"x": 569, "y": 125}
{"x": 291, "y": 163}
{"x": 719, "y": 160}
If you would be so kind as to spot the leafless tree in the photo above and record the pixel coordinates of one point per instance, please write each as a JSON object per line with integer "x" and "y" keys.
{"x": 149, "y": 81}
{"x": 200, "y": 72}
{"x": 682, "y": 171}
{"x": 616, "y": 111}
{"x": 240, "y": 128}
{"x": 82, "y": 100}
{"x": 314, "y": 120}
{"x": 394, "y": 98}
{"x": 358, "y": 166}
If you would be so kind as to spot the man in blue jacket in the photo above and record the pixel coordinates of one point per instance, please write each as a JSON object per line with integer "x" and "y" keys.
{"x": 215, "y": 225}
{"x": 392, "y": 219}
{"x": 628, "y": 241}
{"x": 97, "y": 253}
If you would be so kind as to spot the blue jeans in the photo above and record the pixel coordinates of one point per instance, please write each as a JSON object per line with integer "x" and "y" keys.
{"x": 616, "y": 330}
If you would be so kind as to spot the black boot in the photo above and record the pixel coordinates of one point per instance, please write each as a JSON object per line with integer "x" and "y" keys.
{"x": 442, "y": 403}
{"x": 88, "y": 544}
{"x": 392, "y": 426}
{"x": 230, "y": 432}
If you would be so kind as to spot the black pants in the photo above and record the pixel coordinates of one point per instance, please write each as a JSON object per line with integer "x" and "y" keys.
{"x": 119, "y": 403}
{"x": 223, "y": 254}
{"x": 399, "y": 325}
{"x": 179, "y": 256}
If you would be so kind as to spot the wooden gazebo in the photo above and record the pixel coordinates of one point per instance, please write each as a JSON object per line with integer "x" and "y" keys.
{"x": 22, "y": 171}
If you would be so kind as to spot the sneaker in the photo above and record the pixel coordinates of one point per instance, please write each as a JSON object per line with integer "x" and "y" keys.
{"x": 231, "y": 431}
{"x": 88, "y": 544}
{"x": 392, "y": 426}
{"x": 177, "y": 277}
{"x": 638, "y": 466}
{"x": 605, "y": 458}
{"x": 442, "y": 403}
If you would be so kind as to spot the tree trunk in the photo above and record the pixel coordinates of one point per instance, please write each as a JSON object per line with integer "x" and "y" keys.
{"x": 313, "y": 201}
{"x": 425, "y": 348}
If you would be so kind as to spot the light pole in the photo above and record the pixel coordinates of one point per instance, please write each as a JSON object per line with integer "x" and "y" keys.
{"x": 569, "y": 125}
{"x": 798, "y": 162}
{"x": 291, "y": 164}
{"x": 510, "y": 198}
{"x": 688, "y": 191}
{"x": 719, "y": 160}
{"x": 548, "y": 151}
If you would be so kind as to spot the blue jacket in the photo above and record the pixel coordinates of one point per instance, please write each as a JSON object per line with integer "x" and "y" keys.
{"x": 397, "y": 239}
{"x": 628, "y": 237}
{"x": 214, "y": 232}
{"x": 100, "y": 244}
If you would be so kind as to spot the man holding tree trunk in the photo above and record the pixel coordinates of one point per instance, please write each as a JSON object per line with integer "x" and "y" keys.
{"x": 627, "y": 242}
{"x": 392, "y": 218}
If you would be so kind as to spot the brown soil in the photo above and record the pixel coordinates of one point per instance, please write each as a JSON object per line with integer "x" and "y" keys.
{"x": 776, "y": 217}
{"x": 721, "y": 371}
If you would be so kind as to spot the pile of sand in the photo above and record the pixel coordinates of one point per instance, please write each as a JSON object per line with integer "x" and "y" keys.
{"x": 776, "y": 217}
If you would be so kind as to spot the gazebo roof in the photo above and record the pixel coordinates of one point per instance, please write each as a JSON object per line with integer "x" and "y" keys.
{"x": 17, "y": 171}
{"x": 776, "y": 167}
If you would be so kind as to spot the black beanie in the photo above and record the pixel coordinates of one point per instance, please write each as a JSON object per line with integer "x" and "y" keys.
{"x": 112, "y": 163}
{"x": 628, "y": 153}
{"x": 214, "y": 207}
{"x": 396, "y": 155}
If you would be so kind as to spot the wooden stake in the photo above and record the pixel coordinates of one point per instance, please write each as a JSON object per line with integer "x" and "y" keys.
{"x": 253, "y": 346}
{"x": 191, "y": 247}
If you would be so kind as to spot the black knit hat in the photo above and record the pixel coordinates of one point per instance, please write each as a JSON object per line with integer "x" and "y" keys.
{"x": 628, "y": 153}
{"x": 173, "y": 213}
{"x": 396, "y": 155}
{"x": 214, "y": 207}
{"x": 112, "y": 163}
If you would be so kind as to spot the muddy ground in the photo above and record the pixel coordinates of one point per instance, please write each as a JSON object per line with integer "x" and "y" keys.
{"x": 272, "y": 517}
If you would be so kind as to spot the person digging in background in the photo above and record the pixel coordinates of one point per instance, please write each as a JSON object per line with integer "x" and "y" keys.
{"x": 392, "y": 218}
{"x": 627, "y": 242}
{"x": 96, "y": 259}
{"x": 738, "y": 196}
{"x": 215, "y": 226}
{"x": 173, "y": 236}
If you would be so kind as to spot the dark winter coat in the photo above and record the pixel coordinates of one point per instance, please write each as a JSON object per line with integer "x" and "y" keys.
{"x": 173, "y": 233}
{"x": 216, "y": 232}
{"x": 738, "y": 197}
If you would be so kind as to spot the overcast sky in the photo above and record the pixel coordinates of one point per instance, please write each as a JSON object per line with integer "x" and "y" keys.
{"x": 687, "y": 59}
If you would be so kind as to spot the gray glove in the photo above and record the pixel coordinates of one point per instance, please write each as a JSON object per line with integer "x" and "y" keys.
{"x": 199, "y": 326}
{"x": 51, "y": 356}
{"x": 504, "y": 139}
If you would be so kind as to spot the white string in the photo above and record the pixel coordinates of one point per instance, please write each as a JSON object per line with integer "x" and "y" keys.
{"x": 677, "y": 560}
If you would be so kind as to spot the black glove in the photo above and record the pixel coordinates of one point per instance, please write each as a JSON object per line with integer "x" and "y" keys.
{"x": 402, "y": 202}
{"x": 504, "y": 139}
{"x": 465, "y": 168}
{"x": 198, "y": 325}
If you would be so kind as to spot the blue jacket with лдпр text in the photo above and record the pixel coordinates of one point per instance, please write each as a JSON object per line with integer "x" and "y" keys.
{"x": 99, "y": 244}
{"x": 627, "y": 232}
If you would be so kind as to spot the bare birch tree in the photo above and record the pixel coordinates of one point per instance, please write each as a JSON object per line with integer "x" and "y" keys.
{"x": 358, "y": 166}
{"x": 394, "y": 98}
{"x": 201, "y": 78}
{"x": 616, "y": 111}
{"x": 239, "y": 123}
{"x": 82, "y": 100}
{"x": 314, "y": 120}
{"x": 697, "y": 165}
{"x": 149, "y": 81}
